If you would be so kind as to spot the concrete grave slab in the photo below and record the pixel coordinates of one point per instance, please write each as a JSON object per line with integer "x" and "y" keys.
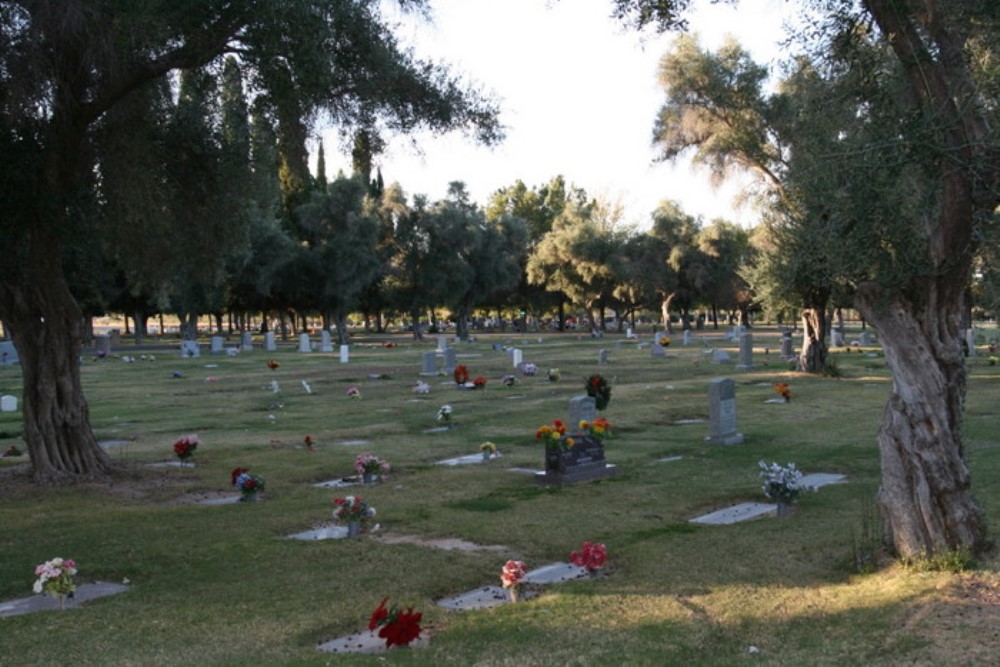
{"x": 366, "y": 641}
{"x": 115, "y": 443}
{"x": 444, "y": 543}
{"x": 351, "y": 443}
{"x": 326, "y": 533}
{"x": 84, "y": 593}
{"x": 338, "y": 483}
{"x": 670, "y": 459}
{"x": 737, "y": 513}
{"x": 437, "y": 429}
{"x": 684, "y": 422}
{"x": 224, "y": 500}
{"x": 170, "y": 464}
{"x": 467, "y": 459}
{"x": 820, "y": 479}
{"x": 555, "y": 573}
{"x": 480, "y": 598}
{"x": 529, "y": 471}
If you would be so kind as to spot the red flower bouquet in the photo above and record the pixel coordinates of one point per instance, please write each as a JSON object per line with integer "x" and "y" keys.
{"x": 398, "y": 626}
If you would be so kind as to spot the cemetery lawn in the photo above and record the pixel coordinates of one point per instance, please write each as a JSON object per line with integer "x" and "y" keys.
{"x": 222, "y": 585}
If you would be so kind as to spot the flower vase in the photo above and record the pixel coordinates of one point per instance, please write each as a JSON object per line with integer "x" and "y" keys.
{"x": 513, "y": 593}
{"x": 368, "y": 478}
{"x": 249, "y": 497}
{"x": 353, "y": 528}
{"x": 486, "y": 456}
{"x": 784, "y": 509}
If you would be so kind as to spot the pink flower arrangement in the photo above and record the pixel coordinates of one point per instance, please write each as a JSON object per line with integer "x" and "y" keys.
{"x": 511, "y": 575}
{"x": 591, "y": 556}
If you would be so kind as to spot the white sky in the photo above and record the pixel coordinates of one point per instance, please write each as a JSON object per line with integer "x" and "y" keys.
{"x": 578, "y": 95}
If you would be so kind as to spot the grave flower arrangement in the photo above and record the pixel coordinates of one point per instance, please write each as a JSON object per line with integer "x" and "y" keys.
{"x": 461, "y": 374}
{"x": 529, "y": 368}
{"x": 369, "y": 464}
{"x": 781, "y": 484}
{"x": 353, "y": 392}
{"x": 664, "y": 341}
{"x": 488, "y": 449}
{"x": 13, "y": 451}
{"x": 308, "y": 440}
{"x": 353, "y": 509}
{"x": 185, "y": 446}
{"x": 552, "y": 436}
{"x": 422, "y": 388}
{"x": 396, "y": 626}
{"x": 55, "y": 578}
{"x": 554, "y": 375}
{"x": 248, "y": 485}
{"x": 508, "y": 380}
{"x": 272, "y": 364}
{"x": 598, "y": 387}
{"x": 781, "y": 388}
{"x": 591, "y": 557}
{"x": 597, "y": 429}
{"x": 479, "y": 382}
{"x": 511, "y": 575}
{"x": 444, "y": 414}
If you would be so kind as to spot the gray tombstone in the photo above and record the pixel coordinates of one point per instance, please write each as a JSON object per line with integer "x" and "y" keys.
{"x": 864, "y": 340}
{"x": 8, "y": 403}
{"x": 687, "y": 337}
{"x": 746, "y": 352}
{"x": 720, "y": 357}
{"x": 103, "y": 345}
{"x": 657, "y": 351}
{"x": 8, "y": 353}
{"x": 970, "y": 341}
{"x": 722, "y": 413}
{"x": 428, "y": 364}
{"x": 602, "y": 357}
{"x": 837, "y": 338}
{"x": 269, "y": 344}
{"x": 450, "y": 360}
{"x": 246, "y": 342}
{"x": 190, "y": 349}
{"x": 325, "y": 345}
{"x": 345, "y": 353}
{"x": 304, "y": 345}
{"x": 518, "y": 357}
{"x": 442, "y": 343}
{"x": 218, "y": 345}
{"x": 787, "y": 351}
{"x": 581, "y": 408}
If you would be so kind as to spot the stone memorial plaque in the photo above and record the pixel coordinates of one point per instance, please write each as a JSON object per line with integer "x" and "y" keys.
{"x": 304, "y": 345}
{"x": 102, "y": 345}
{"x": 720, "y": 357}
{"x": 428, "y": 364}
{"x": 787, "y": 351}
{"x": 581, "y": 408}
{"x": 450, "y": 360}
{"x": 83, "y": 593}
{"x": 327, "y": 533}
{"x": 480, "y": 598}
{"x": 820, "y": 479}
{"x": 366, "y": 641}
{"x": 189, "y": 348}
{"x": 442, "y": 343}
{"x": 555, "y": 573}
{"x": 737, "y": 513}
{"x": 722, "y": 412}
{"x": 602, "y": 357}
{"x": 8, "y": 403}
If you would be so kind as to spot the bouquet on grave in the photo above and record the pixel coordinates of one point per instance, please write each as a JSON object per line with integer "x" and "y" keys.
{"x": 488, "y": 448}
{"x": 461, "y": 374}
{"x": 554, "y": 375}
{"x": 185, "y": 446}
{"x": 248, "y": 485}
{"x": 422, "y": 388}
{"x": 353, "y": 508}
{"x": 369, "y": 464}
{"x": 664, "y": 341}
{"x": 598, "y": 387}
{"x": 444, "y": 414}
{"x": 781, "y": 388}
{"x": 591, "y": 557}
{"x": 781, "y": 484}
{"x": 479, "y": 382}
{"x": 552, "y": 436}
{"x": 529, "y": 368}
{"x": 353, "y": 392}
{"x": 597, "y": 429}
{"x": 55, "y": 577}
{"x": 396, "y": 626}
{"x": 272, "y": 364}
{"x": 511, "y": 576}
{"x": 508, "y": 380}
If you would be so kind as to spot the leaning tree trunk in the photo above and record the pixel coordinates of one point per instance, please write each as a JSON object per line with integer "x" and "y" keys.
{"x": 462, "y": 322}
{"x": 46, "y": 325}
{"x": 665, "y": 311}
{"x": 925, "y": 495}
{"x": 812, "y": 358}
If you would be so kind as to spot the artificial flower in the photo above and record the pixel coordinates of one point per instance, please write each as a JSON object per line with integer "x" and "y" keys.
{"x": 591, "y": 556}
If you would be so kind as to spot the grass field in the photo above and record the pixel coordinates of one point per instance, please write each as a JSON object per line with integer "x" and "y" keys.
{"x": 220, "y": 585}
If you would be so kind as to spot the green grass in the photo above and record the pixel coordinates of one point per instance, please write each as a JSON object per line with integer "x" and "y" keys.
{"x": 221, "y": 586}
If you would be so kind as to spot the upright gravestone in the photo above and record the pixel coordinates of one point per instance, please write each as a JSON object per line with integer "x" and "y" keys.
{"x": 518, "y": 357}
{"x": 442, "y": 343}
{"x": 218, "y": 345}
{"x": 345, "y": 353}
{"x": 746, "y": 352}
{"x": 190, "y": 349}
{"x": 787, "y": 351}
{"x": 325, "y": 344}
{"x": 970, "y": 341}
{"x": 450, "y": 360}
{"x": 581, "y": 408}
{"x": 722, "y": 413}
{"x": 864, "y": 340}
{"x": 269, "y": 344}
{"x": 428, "y": 364}
{"x": 837, "y": 338}
{"x": 629, "y": 333}
{"x": 8, "y": 354}
{"x": 602, "y": 357}
{"x": 687, "y": 337}
{"x": 246, "y": 342}
{"x": 304, "y": 343}
{"x": 737, "y": 331}
{"x": 8, "y": 403}
{"x": 720, "y": 357}
{"x": 657, "y": 351}
{"x": 103, "y": 345}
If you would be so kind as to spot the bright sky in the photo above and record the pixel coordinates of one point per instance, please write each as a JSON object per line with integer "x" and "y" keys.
{"x": 578, "y": 94}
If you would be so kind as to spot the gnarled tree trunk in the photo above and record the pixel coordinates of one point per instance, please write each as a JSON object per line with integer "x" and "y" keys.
{"x": 46, "y": 323}
{"x": 812, "y": 358}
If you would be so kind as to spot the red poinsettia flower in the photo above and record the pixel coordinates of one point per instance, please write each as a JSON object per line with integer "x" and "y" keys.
{"x": 381, "y": 614}
{"x": 403, "y": 630}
